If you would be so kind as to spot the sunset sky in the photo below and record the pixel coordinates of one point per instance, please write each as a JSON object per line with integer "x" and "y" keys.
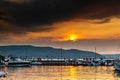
{"x": 67, "y": 24}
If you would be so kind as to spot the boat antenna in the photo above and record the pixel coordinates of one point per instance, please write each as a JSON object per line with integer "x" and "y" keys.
{"x": 95, "y": 52}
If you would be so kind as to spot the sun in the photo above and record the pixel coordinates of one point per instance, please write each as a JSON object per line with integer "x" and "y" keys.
{"x": 73, "y": 37}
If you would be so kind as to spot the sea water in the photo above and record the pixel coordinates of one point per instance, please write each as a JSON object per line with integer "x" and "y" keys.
{"x": 61, "y": 73}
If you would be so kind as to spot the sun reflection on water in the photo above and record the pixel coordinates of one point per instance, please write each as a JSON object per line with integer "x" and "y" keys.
{"x": 61, "y": 73}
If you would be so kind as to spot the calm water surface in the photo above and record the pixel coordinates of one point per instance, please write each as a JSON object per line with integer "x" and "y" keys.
{"x": 61, "y": 73}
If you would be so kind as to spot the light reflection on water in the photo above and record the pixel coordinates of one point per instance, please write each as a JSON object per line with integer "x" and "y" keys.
{"x": 61, "y": 73}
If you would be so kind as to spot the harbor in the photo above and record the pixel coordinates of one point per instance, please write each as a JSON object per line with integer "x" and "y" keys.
{"x": 60, "y": 61}
{"x": 59, "y": 39}
{"x": 17, "y": 68}
{"x": 17, "y": 61}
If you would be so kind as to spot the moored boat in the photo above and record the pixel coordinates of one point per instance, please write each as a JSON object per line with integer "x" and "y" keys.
{"x": 117, "y": 64}
{"x": 17, "y": 62}
{"x": 96, "y": 63}
{"x": 2, "y": 74}
{"x": 36, "y": 63}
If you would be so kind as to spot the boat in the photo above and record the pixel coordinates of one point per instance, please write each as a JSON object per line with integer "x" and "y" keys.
{"x": 17, "y": 62}
{"x": 2, "y": 74}
{"x": 117, "y": 64}
{"x": 36, "y": 63}
{"x": 96, "y": 63}
{"x": 108, "y": 62}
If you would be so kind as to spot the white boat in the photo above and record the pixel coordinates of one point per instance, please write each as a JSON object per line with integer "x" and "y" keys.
{"x": 17, "y": 62}
{"x": 96, "y": 63}
{"x": 108, "y": 62}
{"x": 36, "y": 63}
{"x": 2, "y": 74}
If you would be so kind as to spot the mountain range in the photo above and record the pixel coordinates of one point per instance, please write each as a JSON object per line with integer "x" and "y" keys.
{"x": 45, "y": 52}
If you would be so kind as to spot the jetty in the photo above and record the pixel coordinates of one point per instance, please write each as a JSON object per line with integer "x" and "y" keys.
{"x": 75, "y": 62}
{"x": 62, "y": 61}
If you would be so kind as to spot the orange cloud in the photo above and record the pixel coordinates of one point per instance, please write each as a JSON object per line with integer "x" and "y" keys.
{"x": 74, "y": 31}
{"x": 89, "y": 30}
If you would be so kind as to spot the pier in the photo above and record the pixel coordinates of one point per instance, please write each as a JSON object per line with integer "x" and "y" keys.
{"x": 76, "y": 62}
{"x": 61, "y": 61}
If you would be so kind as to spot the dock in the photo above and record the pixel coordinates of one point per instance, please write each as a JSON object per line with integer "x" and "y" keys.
{"x": 76, "y": 62}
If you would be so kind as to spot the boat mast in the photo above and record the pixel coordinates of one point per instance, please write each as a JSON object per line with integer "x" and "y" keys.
{"x": 95, "y": 66}
{"x": 61, "y": 53}
{"x": 25, "y": 52}
{"x": 61, "y": 62}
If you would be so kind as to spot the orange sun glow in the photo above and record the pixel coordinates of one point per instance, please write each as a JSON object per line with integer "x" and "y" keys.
{"x": 72, "y": 37}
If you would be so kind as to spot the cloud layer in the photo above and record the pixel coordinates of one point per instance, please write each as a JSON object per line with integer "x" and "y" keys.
{"x": 33, "y": 15}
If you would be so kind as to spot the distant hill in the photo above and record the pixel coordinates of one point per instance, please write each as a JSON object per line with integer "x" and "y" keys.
{"x": 45, "y": 52}
{"x": 111, "y": 55}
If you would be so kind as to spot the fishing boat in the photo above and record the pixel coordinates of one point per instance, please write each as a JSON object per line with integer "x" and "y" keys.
{"x": 17, "y": 62}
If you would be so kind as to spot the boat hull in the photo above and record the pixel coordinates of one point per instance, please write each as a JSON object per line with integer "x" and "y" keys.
{"x": 19, "y": 64}
{"x": 117, "y": 67}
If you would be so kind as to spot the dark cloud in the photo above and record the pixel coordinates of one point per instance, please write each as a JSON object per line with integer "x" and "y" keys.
{"x": 2, "y": 14}
{"x": 11, "y": 28}
{"x": 46, "y": 12}
{"x": 18, "y": 1}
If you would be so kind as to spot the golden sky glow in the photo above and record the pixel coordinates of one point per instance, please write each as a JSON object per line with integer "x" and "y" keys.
{"x": 79, "y": 30}
{"x": 75, "y": 30}
{"x": 89, "y": 30}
